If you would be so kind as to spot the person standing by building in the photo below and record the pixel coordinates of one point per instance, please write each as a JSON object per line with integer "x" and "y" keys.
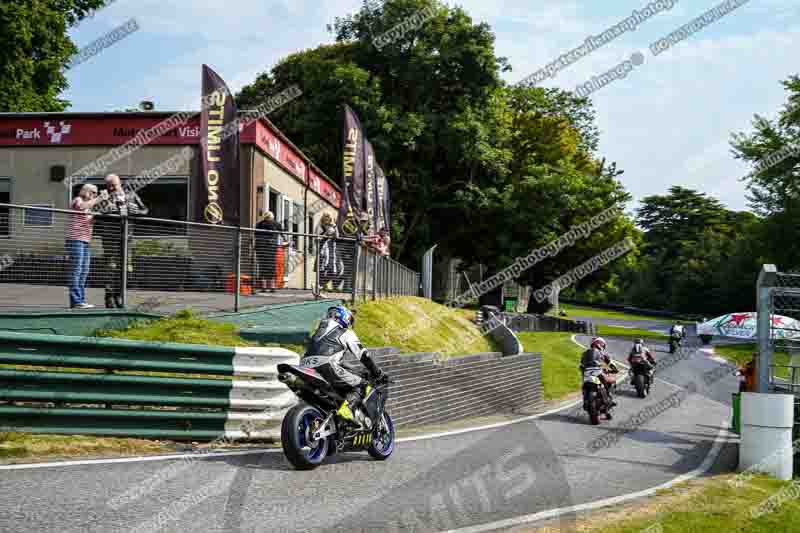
{"x": 77, "y": 240}
{"x": 122, "y": 203}
{"x": 268, "y": 246}
{"x": 327, "y": 261}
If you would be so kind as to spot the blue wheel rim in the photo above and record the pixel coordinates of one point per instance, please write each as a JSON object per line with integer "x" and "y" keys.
{"x": 306, "y": 425}
{"x": 381, "y": 438}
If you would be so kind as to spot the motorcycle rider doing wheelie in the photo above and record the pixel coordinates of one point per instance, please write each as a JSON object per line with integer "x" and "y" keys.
{"x": 593, "y": 359}
{"x": 336, "y": 340}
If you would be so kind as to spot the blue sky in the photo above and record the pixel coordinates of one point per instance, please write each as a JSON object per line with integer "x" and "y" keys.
{"x": 668, "y": 123}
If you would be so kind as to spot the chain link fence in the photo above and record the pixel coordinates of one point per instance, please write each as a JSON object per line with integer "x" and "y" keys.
{"x": 784, "y": 332}
{"x": 132, "y": 260}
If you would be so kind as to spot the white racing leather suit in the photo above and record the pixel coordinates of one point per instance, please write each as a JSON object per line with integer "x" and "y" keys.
{"x": 337, "y": 354}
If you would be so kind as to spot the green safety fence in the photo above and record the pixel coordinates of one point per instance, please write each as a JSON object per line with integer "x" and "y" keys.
{"x": 115, "y": 387}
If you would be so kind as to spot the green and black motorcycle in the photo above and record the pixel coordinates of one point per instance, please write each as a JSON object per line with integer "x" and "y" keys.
{"x": 313, "y": 430}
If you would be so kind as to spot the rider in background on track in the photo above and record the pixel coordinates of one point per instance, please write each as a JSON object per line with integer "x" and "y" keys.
{"x": 336, "y": 339}
{"x": 639, "y": 351}
{"x": 677, "y": 331}
{"x": 594, "y": 358}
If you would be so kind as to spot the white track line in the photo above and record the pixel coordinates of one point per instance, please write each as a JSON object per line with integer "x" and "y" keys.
{"x": 140, "y": 459}
{"x": 706, "y": 465}
{"x": 137, "y": 459}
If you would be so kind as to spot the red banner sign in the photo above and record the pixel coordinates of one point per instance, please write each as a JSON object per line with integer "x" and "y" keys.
{"x": 92, "y": 131}
{"x": 289, "y": 159}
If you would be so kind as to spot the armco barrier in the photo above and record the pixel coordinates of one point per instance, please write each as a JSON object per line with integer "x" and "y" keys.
{"x": 73, "y": 385}
{"x": 76, "y": 387}
{"x": 635, "y": 310}
{"x": 430, "y": 390}
{"x": 523, "y": 322}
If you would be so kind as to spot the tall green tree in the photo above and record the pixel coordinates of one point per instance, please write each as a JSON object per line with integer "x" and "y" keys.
{"x": 486, "y": 171}
{"x": 698, "y": 256}
{"x": 422, "y": 101}
{"x": 34, "y": 51}
{"x": 773, "y": 148}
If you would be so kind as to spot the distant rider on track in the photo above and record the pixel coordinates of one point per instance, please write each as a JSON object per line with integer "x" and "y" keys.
{"x": 638, "y": 352}
{"x": 676, "y": 335}
{"x": 677, "y": 332}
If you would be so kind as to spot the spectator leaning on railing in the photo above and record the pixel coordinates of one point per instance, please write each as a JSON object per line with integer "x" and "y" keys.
{"x": 123, "y": 203}
{"x": 77, "y": 239}
{"x": 328, "y": 260}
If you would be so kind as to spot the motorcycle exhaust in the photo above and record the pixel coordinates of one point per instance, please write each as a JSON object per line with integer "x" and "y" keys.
{"x": 289, "y": 380}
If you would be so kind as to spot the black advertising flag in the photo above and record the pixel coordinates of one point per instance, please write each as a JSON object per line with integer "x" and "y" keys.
{"x": 217, "y": 186}
{"x": 387, "y": 205}
{"x": 352, "y": 175}
{"x": 379, "y": 220}
{"x": 368, "y": 226}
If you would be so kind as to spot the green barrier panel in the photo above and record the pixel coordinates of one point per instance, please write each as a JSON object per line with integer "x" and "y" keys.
{"x": 177, "y": 425}
{"x": 207, "y": 404}
{"x": 737, "y": 413}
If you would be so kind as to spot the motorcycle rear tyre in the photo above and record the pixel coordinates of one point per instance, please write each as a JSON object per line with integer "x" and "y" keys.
{"x": 292, "y": 442}
{"x": 638, "y": 382}
{"x": 594, "y": 411}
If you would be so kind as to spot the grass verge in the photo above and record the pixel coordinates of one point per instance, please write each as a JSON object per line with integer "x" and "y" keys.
{"x": 629, "y": 333}
{"x": 710, "y": 504}
{"x": 415, "y": 324}
{"x": 740, "y": 354}
{"x": 16, "y": 446}
{"x": 560, "y": 361}
{"x": 183, "y": 327}
{"x": 592, "y": 312}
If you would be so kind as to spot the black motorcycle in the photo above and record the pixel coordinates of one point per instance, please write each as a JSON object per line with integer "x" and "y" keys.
{"x": 675, "y": 343}
{"x": 312, "y": 430}
{"x": 594, "y": 398}
{"x": 641, "y": 375}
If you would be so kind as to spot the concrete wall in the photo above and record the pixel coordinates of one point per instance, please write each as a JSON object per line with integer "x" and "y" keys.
{"x": 430, "y": 391}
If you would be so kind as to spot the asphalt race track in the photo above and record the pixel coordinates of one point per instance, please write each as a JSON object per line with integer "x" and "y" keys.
{"x": 442, "y": 483}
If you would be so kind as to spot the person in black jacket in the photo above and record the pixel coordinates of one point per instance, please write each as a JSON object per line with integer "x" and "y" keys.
{"x": 123, "y": 203}
{"x": 267, "y": 245}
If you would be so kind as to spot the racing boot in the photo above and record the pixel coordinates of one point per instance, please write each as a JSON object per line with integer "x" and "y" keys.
{"x": 349, "y": 408}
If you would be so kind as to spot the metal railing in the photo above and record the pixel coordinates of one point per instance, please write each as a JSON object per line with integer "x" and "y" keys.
{"x": 778, "y": 300}
{"x": 179, "y": 264}
{"x": 377, "y": 276}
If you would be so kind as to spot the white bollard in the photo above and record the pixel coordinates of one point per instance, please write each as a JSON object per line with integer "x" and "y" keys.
{"x": 766, "y": 439}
